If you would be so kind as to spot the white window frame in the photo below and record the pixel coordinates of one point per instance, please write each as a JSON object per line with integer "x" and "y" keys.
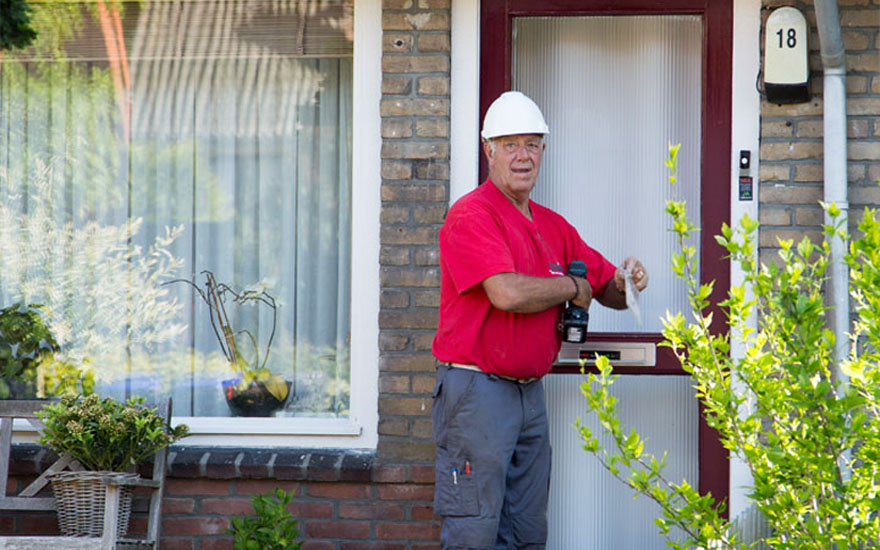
{"x": 360, "y": 429}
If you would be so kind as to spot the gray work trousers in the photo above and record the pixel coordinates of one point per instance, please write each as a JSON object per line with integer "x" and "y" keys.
{"x": 492, "y": 474}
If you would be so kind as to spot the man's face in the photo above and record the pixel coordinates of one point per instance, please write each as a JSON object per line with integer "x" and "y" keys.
{"x": 514, "y": 164}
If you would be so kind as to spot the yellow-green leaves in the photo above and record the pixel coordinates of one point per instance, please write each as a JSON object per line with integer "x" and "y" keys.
{"x": 810, "y": 442}
{"x": 672, "y": 161}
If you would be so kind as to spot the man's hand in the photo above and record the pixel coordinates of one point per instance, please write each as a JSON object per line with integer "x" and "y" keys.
{"x": 639, "y": 274}
{"x": 585, "y": 292}
{"x": 615, "y": 294}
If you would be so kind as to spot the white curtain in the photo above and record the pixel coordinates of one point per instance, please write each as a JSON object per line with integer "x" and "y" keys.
{"x": 223, "y": 127}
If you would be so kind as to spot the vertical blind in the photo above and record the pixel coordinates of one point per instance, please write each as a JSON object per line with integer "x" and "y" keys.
{"x": 591, "y": 510}
{"x": 615, "y": 91}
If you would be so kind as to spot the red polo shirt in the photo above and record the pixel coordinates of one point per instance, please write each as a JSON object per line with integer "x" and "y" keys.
{"x": 484, "y": 234}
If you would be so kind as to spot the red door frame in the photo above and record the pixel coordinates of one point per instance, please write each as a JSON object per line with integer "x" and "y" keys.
{"x": 496, "y": 47}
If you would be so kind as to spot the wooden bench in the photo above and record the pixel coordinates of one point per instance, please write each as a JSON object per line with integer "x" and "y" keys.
{"x": 30, "y": 499}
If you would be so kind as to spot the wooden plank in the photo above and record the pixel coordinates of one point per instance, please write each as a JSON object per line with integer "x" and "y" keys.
{"x": 50, "y": 543}
{"x": 37, "y": 485}
{"x": 5, "y": 450}
{"x": 27, "y": 503}
{"x": 123, "y": 482}
{"x": 26, "y": 408}
{"x": 159, "y": 472}
{"x": 111, "y": 517}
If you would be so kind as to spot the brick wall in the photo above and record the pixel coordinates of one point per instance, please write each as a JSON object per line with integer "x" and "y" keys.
{"x": 791, "y": 173}
{"x": 415, "y": 191}
{"x": 345, "y": 501}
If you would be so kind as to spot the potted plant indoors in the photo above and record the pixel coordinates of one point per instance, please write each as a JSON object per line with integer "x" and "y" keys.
{"x": 256, "y": 390}
{"x": 109, "y": 439}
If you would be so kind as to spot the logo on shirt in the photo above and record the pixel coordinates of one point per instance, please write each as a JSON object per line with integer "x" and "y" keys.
{"x": 556, "y": 269}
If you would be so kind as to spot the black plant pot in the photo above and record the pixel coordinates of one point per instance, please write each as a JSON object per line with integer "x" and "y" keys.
{"x": 254, "y": 400}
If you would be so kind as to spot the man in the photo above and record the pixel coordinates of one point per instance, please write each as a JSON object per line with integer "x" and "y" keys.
{"x": 503, "y": 288}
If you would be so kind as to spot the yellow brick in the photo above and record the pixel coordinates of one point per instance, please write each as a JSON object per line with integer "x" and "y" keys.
{"x": 792, "y": 150}
{"x": 411, "y": 277}
{"x": 432, "y": 128}
{"x": 868, "y": 106}
{"x": 863, "y": 62}
{"x": 809, "y": 216}
{"x": 396, "y": 4}
{"x": 855, "y": 40}
{"x": 397, "y": 128}
{"x": 415, "y": 150}
{"x": 770, "y": 237}
{"x": 397, "y": 85}
{"x": 415, "y": 64}
{"x": 774, "y": 216}
{"x": 408, "y": 192}
{"x": 809, "y": 129}
{"x": 434, "y": 85}
{"x": 858, "y": 18}
{"x": 776, "y": 129}
{"x": 397, "y": 42}
{"x": 809, "y": 172}
{"x": 392, "y": 170}
{"x": 428, "y": 298}
{"x": 857, "y": 128}
{"x": 414, "y": 107}
{"x": 863, "y": 150}
{"x": 812, "y": 108}
{"x": 775, "y": 172}
{"x": 856, "y": 84}
{"x": 865, "y": 195}
{"x": 434, "y": 4}
{"x": 791, "y": 194}
{"x": 434, "y": 42}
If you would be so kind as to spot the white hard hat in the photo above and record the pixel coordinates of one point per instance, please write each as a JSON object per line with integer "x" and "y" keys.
{"x": 511, "y": 114}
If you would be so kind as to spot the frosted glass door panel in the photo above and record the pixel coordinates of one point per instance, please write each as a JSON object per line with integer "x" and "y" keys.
{"x": 615, "y": 91}
{"x": 591, "y": 510}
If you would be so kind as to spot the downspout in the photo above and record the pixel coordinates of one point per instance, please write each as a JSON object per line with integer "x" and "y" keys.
{"x": 834, "y": 120}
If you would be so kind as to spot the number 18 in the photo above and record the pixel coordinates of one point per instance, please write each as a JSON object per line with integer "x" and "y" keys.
{"x": 790, "y": 38}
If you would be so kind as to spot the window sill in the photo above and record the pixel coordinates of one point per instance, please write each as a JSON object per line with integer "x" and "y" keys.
{"x": 204, "y": 425}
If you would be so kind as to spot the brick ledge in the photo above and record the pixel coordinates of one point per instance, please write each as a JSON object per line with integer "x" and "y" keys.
{"x": 236, "y": 463}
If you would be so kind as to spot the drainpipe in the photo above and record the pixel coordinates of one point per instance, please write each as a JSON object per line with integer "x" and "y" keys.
{"x": 834, "y": 118}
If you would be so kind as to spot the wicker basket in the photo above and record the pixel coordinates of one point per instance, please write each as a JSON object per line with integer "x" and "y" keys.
{"x": 79, "y": 498}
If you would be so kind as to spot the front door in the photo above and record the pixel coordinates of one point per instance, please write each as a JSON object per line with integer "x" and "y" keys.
{"x": 617, "y": 82}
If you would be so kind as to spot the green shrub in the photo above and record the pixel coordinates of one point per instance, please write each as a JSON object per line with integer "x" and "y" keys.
{"x": 810, "y": 439}
{"x": 15, "y": 25}
{"x": 272, "y": 528}
{"x": 105, "y": 435}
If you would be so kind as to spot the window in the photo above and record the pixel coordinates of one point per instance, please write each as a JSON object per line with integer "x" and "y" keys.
{"x": 149, "y": 141}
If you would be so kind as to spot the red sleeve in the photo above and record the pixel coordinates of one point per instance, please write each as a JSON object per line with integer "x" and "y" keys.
{"x": 473, "y": 246}
{"x": 599, "y": 269}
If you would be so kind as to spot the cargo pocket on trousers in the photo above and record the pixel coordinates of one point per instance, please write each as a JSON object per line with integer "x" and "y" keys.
{"x": 455, "y": 494}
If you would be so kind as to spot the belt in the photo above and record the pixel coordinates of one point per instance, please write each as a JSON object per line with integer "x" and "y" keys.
{"x": 503, "y": 377}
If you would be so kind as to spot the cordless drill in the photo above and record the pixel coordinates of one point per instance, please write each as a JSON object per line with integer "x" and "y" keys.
{"x": 575, "y": 319}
